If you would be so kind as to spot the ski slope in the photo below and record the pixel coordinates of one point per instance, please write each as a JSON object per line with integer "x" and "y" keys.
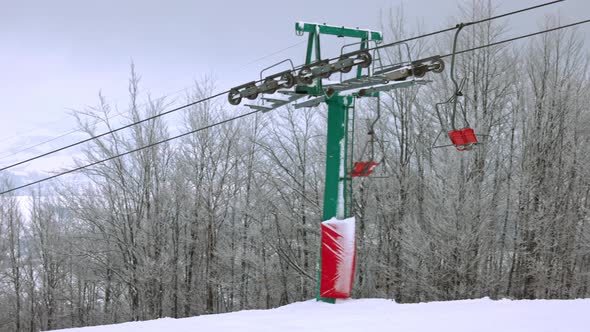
{"x": 366, "y": 315}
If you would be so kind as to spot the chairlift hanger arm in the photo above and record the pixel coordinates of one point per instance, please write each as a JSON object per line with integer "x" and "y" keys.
{"x": 516, "y": 38}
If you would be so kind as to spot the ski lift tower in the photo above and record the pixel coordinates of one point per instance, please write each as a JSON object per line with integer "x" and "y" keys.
{"x": 337, "y": 255}
{"x": 339, "y": 105}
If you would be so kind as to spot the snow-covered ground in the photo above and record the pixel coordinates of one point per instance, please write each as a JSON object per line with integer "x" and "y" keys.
{"x": 384, "y": 315}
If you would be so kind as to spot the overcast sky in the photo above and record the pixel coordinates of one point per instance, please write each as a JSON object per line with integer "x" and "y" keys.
{"x": 56, "y": 55}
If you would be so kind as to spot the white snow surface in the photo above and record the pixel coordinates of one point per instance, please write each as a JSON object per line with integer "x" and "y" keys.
{"x": 483, "y": 315}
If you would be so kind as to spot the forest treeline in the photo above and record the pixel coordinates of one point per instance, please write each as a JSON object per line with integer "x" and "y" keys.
{"x": 228, "y": 218}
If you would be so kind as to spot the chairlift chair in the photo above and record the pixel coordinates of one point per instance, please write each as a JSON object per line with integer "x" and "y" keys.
{"x": 364, "y": 168}
{"x": 463, "y": 139}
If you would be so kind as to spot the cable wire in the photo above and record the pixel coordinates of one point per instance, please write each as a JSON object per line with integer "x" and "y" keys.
{"x": 112, "y": 131}
{"x": 253, "y": 112}
{"x": 119, "y": 114}
{"x": 388, "y": 68}
{"x": 514, "y": 12}
{"x": 222, "y": 93}
{"x": 51, "y": 123}
{"x": 129, "y": 152}
{"x": 517, "y": 38}
{"x": 73, "y": 131}
{"x": 457, "y": 27}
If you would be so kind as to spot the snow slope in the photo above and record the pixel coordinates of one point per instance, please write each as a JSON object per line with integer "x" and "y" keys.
{"x": 384, "y": 315}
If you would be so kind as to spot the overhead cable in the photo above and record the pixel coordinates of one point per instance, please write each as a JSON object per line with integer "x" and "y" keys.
{"x": 127, "y": 152}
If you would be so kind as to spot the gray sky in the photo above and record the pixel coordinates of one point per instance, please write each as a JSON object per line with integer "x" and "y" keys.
{"x": 56, "y": 55}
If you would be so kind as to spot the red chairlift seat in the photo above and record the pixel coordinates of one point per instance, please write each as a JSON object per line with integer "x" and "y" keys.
{"x": 362, "y": 168}
{"x": 463, "y": 139}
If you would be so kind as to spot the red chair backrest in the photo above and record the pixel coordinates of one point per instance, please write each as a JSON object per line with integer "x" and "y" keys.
{"x": 469, "y": 136}
{"x": 463, "y": 139}
{"x": 362, "y": 168}
{"x": 457, "y": 137}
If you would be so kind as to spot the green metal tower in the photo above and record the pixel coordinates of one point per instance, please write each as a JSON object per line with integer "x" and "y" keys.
{"x": 336, "y": 187}
{"x": 306, "y": 81}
